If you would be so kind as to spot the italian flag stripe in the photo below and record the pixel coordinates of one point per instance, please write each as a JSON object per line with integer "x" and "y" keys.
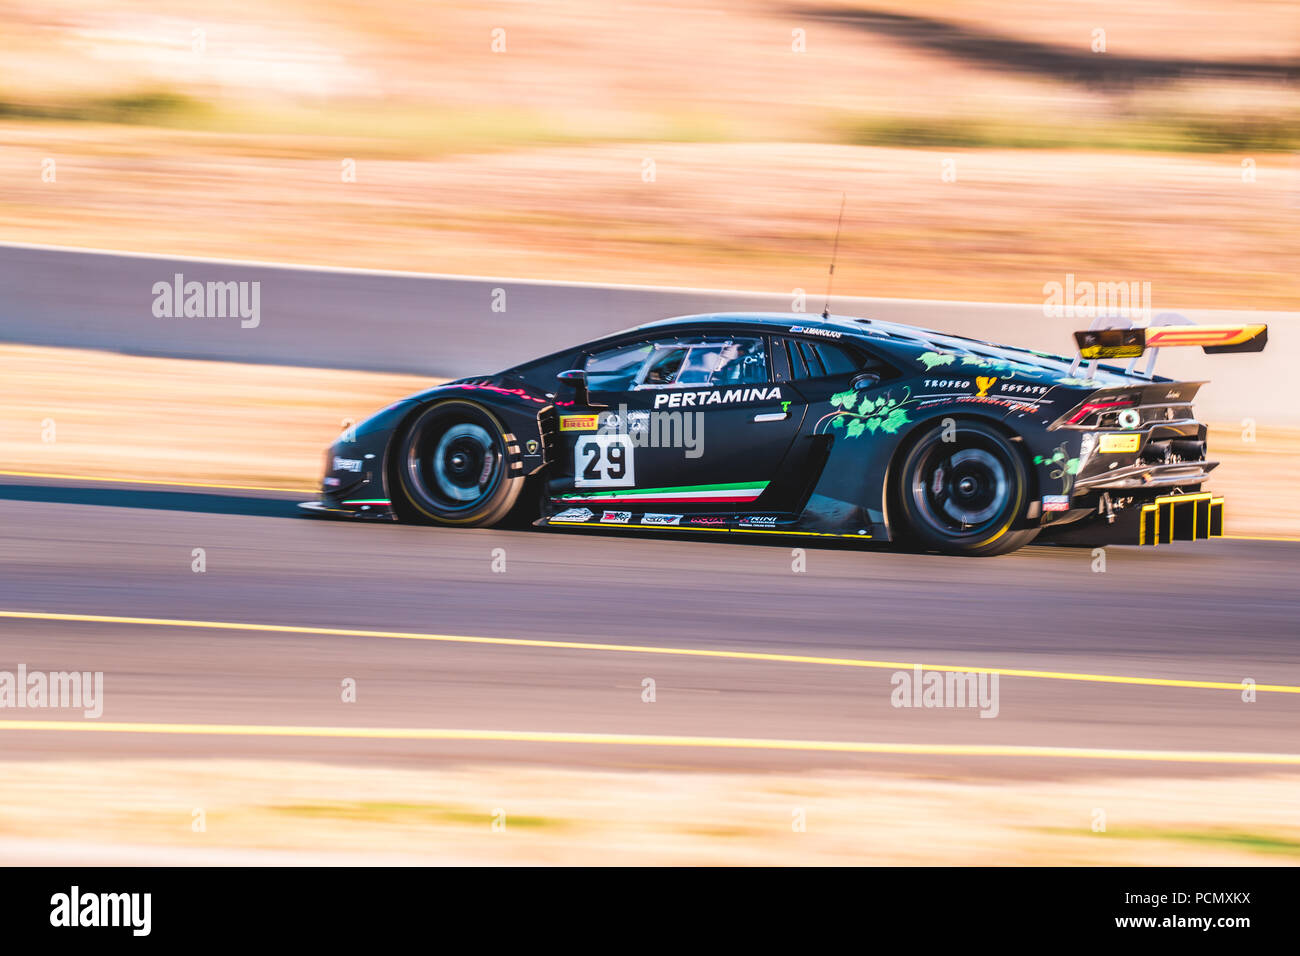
{"x": 736, "y": 491}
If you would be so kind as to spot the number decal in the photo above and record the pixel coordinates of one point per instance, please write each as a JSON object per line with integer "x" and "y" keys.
{"x": 603, "y": 461}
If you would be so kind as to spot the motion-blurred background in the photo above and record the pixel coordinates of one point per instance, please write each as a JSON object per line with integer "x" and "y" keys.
{"x": 986, "y": 147}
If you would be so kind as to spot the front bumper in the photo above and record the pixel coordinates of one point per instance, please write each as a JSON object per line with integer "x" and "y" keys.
{"x": 375, "y": 510}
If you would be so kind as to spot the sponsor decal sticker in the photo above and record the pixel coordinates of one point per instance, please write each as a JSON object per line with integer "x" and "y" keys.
{"x": 616, "y": 517}
{"x": 578, "y": 423}
{"x": 813, "y": 330}
{"x": 734, "y": 492}
{"x": 531, "y": 446}
{"x": 661, "y": 519}
{"x": 721, "y": 396}
{"x": 347, "y": 464}
{"x": 947, "y": 383}
{"x": 1015, "y": 388}
{"x": 984, "y": 383}
{"x": 574, "y": 514}
{"x": 1056, "y": 502}
{"x": 707, "y": 521}
{"x": 758, "y": 521}
{"x": 1115, "y": 444}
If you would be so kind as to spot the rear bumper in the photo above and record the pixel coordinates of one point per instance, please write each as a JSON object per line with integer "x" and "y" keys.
{"x": 1150, "y": 521}
{"x": 1145, "y": 475}
{"x": 1173, "y": 518}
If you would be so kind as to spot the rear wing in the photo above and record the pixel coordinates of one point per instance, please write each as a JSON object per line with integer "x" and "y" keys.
{"x": 1116, "y": 338}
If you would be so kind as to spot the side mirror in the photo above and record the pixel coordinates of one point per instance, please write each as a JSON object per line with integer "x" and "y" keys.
{"x": 576, "y": 379}
{"x": 865, "y": 380}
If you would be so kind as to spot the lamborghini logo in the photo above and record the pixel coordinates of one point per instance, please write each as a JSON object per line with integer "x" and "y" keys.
{"x": 984, "y": 385}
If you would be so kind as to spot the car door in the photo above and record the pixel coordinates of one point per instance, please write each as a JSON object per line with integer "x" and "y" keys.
{"x": 681, "y": 422}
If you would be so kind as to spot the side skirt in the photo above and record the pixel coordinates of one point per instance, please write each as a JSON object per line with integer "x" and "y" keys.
{"x": 691, "y": 523}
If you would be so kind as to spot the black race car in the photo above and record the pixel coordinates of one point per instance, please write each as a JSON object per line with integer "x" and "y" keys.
{"x": 826, "y": 426}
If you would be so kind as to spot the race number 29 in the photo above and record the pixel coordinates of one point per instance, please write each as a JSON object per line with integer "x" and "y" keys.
{"x": 603, "y": 461}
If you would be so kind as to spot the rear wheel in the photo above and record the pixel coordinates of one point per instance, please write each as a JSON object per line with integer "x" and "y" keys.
{"x": 452, "y": 468}
{"x": 963, "y": 496}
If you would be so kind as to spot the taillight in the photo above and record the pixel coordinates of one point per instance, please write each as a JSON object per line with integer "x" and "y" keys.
{"x": 1089, "y": 408}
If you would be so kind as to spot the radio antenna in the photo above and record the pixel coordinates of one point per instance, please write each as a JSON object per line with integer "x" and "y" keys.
{"x": 826, "y": 312}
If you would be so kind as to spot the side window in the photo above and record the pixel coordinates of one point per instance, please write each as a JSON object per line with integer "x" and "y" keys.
{"x": 617, "y": 369}
{"x": 666, "y": 366}
{"x": 834, "y": 359}
{"x": 706, "y": 360}
{"x": 740, "y": 361}
{"x": 810, "y": 359}
{"x": 797, "y": 368}
{"x": 821, "y": 359}
{"x": 687, "y": 361}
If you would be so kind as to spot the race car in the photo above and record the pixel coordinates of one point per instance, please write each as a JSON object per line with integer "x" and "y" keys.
{"x": 817, "y": 427}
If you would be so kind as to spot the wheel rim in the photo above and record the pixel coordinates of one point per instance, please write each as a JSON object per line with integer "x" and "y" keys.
{"x": 456, "y": 467}
{"x": 964, "y": 490}
{"x": 463, "y": 462}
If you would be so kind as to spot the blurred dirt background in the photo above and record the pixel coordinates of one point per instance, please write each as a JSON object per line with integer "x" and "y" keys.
{"x": 143, "y": 812}
{"x": 985, "y": 147}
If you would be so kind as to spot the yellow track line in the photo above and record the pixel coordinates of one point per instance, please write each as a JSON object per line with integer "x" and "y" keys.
{"x": 152, "y": 481}
{"x": 640, "y": 649}
{"x": 655, "y": 740}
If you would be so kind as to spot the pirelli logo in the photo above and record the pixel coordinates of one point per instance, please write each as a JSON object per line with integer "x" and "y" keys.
{"x": 578, "y": 423}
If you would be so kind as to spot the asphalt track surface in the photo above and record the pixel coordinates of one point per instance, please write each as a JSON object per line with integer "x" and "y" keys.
{"x": 1215, "y": 612}
{"x": 446, "y": 326}
{"x": 755, "y": 666}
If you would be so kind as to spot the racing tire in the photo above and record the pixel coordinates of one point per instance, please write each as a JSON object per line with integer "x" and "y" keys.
{"x": 964, "y": 496}
{"x": 452, "y": 468}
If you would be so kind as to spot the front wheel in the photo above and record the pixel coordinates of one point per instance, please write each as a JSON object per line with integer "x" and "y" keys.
{"x": 452, "y": 468}
{"x": 964, "y": 495}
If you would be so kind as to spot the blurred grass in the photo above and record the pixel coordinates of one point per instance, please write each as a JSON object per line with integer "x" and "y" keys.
{"x": 155, "y": 107}
{"x": 1225, "y": 839}
{"x": 1174, "y": 133}
{"x": 409, "y": 813}
{"x": 391, "y": 130}
{"x": 114, "y": 811}
{"x": 407, "y": 129}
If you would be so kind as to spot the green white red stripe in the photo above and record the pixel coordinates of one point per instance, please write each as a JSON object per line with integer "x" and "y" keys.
{"x": 739, "y": 491}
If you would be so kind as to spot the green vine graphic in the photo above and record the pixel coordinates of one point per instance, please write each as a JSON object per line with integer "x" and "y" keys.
{"x": 1066, "y": 467}
{"x": 859, "y": 413}
{"x": 932, "y": 360}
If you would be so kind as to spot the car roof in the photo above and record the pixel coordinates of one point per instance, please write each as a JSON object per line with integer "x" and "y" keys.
{"x": 908, "y": 337}
{"x": 846, "y": 325}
